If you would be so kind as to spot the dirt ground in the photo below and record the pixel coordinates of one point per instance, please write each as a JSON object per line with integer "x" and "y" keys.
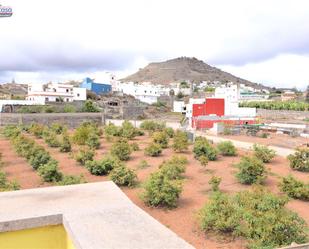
{"x": 183, "y": 219}
{"x": 280, "y": 140}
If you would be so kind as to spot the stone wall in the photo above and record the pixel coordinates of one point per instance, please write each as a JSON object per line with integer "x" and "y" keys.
{"x": 283, "y": 114}
{"x": 70, "y": 119}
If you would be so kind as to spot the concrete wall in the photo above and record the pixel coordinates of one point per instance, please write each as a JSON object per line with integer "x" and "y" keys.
{"x": 282, "y": 114}
{"x": 70, "y": 119}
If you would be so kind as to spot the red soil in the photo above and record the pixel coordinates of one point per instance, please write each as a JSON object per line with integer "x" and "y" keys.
{"x": 182, "y": 220}
{"x": 17, "y": 168}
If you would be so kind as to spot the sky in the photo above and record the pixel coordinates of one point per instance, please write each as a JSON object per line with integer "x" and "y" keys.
{"x": 264, "y": 41}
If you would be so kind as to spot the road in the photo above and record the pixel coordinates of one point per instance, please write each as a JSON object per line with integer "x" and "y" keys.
{"x": 246, "y": 145}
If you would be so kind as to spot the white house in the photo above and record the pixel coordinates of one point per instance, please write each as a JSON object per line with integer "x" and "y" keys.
{"x": 230, "y": 93}
{"x": 179, "y": 106}
{"x": 147, "y": 93}
{"x": 55, "y": 92}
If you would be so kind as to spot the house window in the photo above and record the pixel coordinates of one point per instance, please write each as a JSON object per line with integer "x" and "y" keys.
{"x": 67, "y": 90}
{"x": 54, "y": 89}
{"x": 67, "y": 100}
{"x": 46, "y": 99}
{"x": 57, "y": 100}
{"x": 78, "y": 95}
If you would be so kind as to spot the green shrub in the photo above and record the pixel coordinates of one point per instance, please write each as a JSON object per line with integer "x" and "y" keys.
{"x": 49, "y": 171}
{"x": 169, "y": 131}
{"x": 90, "y": 106}
{"x": 39, "y": 158}
{"x": 71, "y": 179}
{"x": 219, "y": 214}
{"x": 134, "y": 146}
{"x": 84, "y": 155}
{"x": 143, "y": 164}
{"x": 6, "y": 185}
{"x": 127, "y": 130}
{"x": 180, "y": 141}
{"x": 24, "y": 146}
{"x": 84, "y": 131}
{"x": 300, "y": 160}
{"x": 161, "y": 138}
{"x": 250, "y": 170}
{"x": 174, "y": 168}
{"x": 266, "y": 222}
{"x": 123, "y": 176}
{"x": 294, "y": 188}
{"x": 103, "y": 166}
{"x": 257, "y": 215}
{"x": 153, "y": 149}
{"x": 226, "y": 148}
{"x": 263, "y": 153}
{"x": 111, "y": 130}
{"x": 121, "y": 149}
{"x": 58, "y": 128}
{"x": 49, "y": 109}
{"x": 93, "y": 141}
{"x": 139, "y": 132}
{"x": 81, "y": 134}
{"x": 11, "y": 131}
{"x": 202, "y": 147}
{"x": 214, "y": 182}
{"x": 37, "y": 130}
{"x": 152, "y": 126}
{"x": 203, "y": 160}
{"x": 159, "y": 190}
{"x": 51, "y": 139}
{"x": 65, "y": 143}
{"x": 69, "y": 109}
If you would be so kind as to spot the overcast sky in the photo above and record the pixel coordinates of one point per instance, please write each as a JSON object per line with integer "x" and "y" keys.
{"x": 265, "y": 41}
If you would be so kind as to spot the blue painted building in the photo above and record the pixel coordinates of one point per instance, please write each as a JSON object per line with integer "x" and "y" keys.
{"x": 98, "y": 88}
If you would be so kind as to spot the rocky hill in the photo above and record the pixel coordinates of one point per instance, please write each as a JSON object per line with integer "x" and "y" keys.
{"x": 13, "y": 89}
{"x": 184, "y": 69}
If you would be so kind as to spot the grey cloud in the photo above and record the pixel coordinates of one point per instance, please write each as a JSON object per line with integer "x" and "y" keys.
{"x": 37, "y": 57}
{"x": 268, "y": 38}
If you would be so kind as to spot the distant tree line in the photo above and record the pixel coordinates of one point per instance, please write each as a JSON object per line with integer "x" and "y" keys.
{"x": 278, "y": 105}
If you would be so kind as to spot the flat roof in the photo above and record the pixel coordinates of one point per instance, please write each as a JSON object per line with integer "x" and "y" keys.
{"x": 95, "y": 215}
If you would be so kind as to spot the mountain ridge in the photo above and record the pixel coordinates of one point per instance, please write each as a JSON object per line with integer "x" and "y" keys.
{"x": 185, "y": 69}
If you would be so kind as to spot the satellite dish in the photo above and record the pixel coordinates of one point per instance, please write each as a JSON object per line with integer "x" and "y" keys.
{"x": 5, "y": 11}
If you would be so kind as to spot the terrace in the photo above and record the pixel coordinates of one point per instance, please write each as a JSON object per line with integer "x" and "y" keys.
{"x": 93, "y": 215}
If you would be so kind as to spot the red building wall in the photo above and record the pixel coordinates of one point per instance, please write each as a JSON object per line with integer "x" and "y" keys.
{"x": 212, "y": 106}
{"x": 207, "y": 124}
{"x": 215, "y": 106}
{"x": 198, "y": 110}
